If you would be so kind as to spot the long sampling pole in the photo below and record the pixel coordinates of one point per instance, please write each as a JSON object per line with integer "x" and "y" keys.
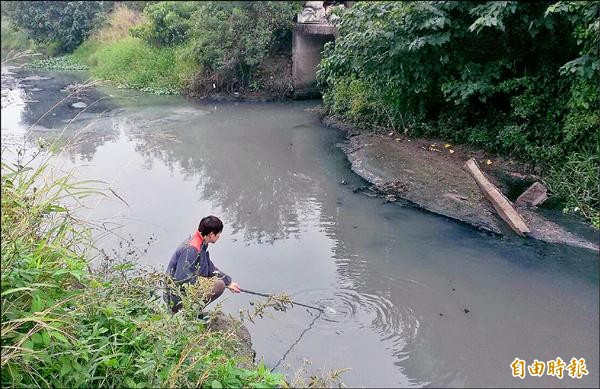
{"x": 270, "y": 295}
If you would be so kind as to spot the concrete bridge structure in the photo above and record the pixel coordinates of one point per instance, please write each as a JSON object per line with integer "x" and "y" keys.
{"x": 312, "y": 30}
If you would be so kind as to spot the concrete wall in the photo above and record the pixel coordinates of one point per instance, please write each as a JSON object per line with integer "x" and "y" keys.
{"x": 307, "y": 44}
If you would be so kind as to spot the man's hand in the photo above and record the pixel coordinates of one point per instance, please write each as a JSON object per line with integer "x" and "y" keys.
{"x": 234, "y": 287}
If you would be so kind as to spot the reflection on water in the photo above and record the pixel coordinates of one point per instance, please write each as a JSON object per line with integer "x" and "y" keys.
{"x": 263, "y": 193}
{"x": 41, "y": 107}
{"x": 418, "y": 299}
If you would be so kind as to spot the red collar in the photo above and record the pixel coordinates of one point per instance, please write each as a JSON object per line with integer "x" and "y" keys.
{"x": 197, "y": 240}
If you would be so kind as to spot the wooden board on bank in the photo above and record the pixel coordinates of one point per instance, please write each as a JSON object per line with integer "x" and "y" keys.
{"x": 504, "y": 208}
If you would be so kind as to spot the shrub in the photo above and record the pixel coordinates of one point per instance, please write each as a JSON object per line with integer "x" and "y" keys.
{"x": 113, "y": 54}
{"x": 231, "y": 40}
{"x": 66, "y": 23}
{"x": 168, "y": 22}
{"x": 214, "y": 47}
{"x": 480, "y": 62}
{"x": 228, "y": 40}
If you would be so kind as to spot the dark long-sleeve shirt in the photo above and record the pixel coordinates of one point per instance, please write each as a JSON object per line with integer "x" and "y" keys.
{"x": 192, "y": 260}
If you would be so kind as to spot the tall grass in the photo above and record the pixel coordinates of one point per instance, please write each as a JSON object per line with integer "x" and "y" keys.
{"x": 133, "y": 63}
{"x": 118, "y": 23}
{"x": 576, "y": 183}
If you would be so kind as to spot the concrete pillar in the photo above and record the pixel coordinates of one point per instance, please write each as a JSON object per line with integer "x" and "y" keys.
{"x": 307, "y": 45}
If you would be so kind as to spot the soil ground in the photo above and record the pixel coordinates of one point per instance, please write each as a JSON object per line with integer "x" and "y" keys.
{"x": 430, "y": 174}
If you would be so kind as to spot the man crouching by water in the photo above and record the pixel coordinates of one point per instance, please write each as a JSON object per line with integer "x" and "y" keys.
{"x": 191, "y": 260}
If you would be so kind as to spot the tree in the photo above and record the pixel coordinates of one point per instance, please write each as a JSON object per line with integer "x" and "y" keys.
{"x": 63, "y": 24}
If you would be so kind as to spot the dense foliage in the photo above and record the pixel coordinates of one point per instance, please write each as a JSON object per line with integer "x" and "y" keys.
{"x": 60, "y": 25}
{"x": 236, "y": 38}
{"x": 519, "y": 78}
{"x": 168, "y": 22}
{"x": 229, "y": 41}
{"x": 65, "y": 326}
{"x": 199, "y": 48}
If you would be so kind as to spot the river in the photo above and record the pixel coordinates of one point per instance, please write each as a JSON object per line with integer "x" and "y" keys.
{"x": 419, "y": 300}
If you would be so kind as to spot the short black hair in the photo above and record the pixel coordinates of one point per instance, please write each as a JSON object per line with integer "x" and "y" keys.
{"x": 210, "y": 224}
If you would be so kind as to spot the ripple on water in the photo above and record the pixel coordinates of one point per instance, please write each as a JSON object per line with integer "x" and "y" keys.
{"x": 348, "y": 310}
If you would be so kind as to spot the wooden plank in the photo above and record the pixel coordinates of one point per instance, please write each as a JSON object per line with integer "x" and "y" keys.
{"x": 498, "y": 200}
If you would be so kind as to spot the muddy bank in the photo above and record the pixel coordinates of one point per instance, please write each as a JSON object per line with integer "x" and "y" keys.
{"x": 232, "y": 328}
{"x": 429, "y": 173}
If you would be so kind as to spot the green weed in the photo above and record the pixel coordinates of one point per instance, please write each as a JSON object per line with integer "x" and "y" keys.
{"x": 63, "y": 63}
{"x": 576, "y": 183}
{"x": 132, "y": 63}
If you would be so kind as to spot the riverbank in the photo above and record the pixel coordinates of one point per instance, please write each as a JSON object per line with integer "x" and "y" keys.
{"x": 272, "y": 80}
{"x": 429, "y": 173}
